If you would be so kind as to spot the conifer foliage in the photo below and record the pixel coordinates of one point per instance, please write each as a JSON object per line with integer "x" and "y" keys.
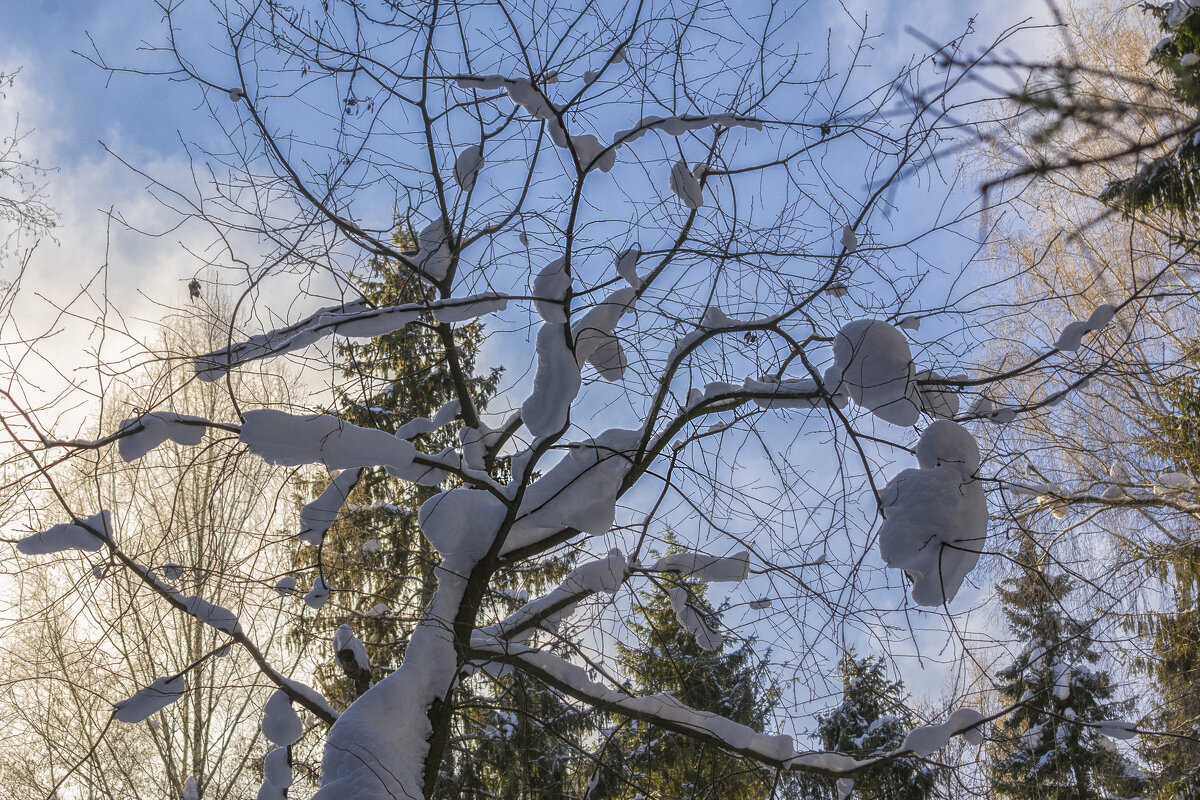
{"x": 1172, "y": 630}
{"x": 524, "y": 741}
{"x": 650, "y": 762}
{"x": 1051, "y": 746}
{"x": 376, "y": 546}
{"x": 873, "y": 718}
{"x": 1168, "y": 181}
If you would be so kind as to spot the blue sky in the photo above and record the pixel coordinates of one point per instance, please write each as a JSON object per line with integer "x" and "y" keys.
{"x": 72, "y": 107}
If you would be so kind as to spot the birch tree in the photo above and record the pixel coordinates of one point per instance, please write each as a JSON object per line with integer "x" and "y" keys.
{"x": 190, "y": 516}
{"x": 1102, "y": 471}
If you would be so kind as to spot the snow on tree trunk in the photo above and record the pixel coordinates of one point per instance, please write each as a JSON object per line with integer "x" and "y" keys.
{"x": 378, "y": 748}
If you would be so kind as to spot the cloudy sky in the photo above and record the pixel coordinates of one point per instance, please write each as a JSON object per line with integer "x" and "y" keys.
{"x": 83, "y": 121}
{"x": 102, "y": 132}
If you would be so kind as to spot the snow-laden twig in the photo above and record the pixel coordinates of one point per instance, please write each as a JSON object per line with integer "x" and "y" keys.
{"x": 356, "y": 319}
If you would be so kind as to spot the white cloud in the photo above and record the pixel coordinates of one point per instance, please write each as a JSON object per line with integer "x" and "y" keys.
{"x": 96, "y": 286}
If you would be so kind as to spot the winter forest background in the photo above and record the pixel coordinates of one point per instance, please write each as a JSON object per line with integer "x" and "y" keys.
{"x": 548, "y": 399}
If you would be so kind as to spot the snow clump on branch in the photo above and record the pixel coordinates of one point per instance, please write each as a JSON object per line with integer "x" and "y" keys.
{"x": 150, "y": 700}
{"x": 155, "y": 429}
{"x": 935, "y": 517}
{"x": 88, "y": 534}
{"x": 873, "y": 364}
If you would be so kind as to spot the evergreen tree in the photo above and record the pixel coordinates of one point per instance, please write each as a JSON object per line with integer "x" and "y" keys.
{"x": 1171, "y": 181}
{"x": 519, "y": 739}
{"x": 1046, "y": 749}
{"x": 1174, "y": 669}
{"x": 381, "y": 566}
{"x": 374, "y": 556}
{"x": 1173, "y": 633}
{"x": 647, "y": 761}
{"x": 872, "y": 718}
{"x": 526, "y": 742}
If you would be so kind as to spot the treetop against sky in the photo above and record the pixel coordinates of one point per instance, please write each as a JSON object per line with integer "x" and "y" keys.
{"x": 88, "y": 121}
{"x": 728, "y": 265}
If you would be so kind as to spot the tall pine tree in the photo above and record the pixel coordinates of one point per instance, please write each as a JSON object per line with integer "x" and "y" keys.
{"x": 647, "y": 761}
{"x": 1170, "y": 181}
{"x": 872, "y": 718}
{"x": 524, "y": 741}
{"x": 1046, "y": 750}
{"x": 1173, "y": 631}
{"x": 1174, "y": 669}
{"x": 381, "y": 566}
{"x": 374, "y": 556}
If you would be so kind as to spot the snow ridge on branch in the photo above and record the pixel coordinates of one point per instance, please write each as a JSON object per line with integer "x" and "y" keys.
{"x": 355, "y": 319}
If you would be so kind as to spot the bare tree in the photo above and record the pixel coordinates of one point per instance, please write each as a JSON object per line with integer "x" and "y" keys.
{"x": 23, "y": 208}
{"x": 709, "y": 254}
{"x": 193, "y": 517}
{"x": 1087, "y": 477}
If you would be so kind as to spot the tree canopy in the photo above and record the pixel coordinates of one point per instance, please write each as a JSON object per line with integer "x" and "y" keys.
{"x": 597, "y": 312}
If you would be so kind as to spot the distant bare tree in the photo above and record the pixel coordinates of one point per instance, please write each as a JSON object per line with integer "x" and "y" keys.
{"x": 24, "y": 211}
{"x": 1095, "y": 477}
{"x": 193, "y": 517}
